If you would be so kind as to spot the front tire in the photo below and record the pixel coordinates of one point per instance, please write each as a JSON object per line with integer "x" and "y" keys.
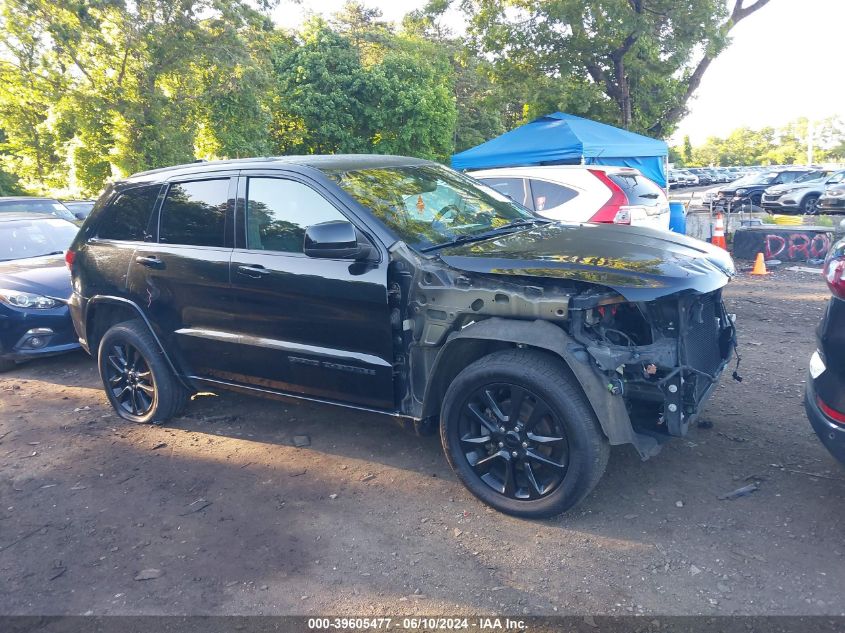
{"x": 809, "y": 205}
{"x": 520, "y": 434}
{"x": 138, "y": 381}
{"x": 7, "y": 365}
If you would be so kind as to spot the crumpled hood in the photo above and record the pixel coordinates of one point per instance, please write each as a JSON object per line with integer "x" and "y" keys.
{"x": 639, "y": 263}
{"x": 46, "y": 275}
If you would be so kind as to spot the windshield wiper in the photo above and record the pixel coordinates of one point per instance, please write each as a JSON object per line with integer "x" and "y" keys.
{"x": 475, "y": 237}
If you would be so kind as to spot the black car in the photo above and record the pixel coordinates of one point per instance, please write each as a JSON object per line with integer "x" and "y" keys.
{"x": 748, "y": 190}
{"x": 28, "y": 204}
{"x": 34, "y": 288}
{"x": 832, "y": 200}
{"x": 79, "y": 208}
{"x": 397, "y": 286}
{"x": 825, "y": 392}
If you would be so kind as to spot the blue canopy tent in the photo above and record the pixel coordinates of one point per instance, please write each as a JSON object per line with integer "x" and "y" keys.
{"x": 564, "y": 139}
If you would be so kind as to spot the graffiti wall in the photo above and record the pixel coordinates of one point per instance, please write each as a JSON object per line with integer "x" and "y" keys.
{"x": 788, "y": 244}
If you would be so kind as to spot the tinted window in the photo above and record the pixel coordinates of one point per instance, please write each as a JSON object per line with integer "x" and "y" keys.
{"x": 548, "y": 195}
{"x": 37, "y": 205}
{"x": 513, "y": 188}
{"x": 127, "y": 217}
{"x": 639, "y": 189}
{"x": 279, "y": 211}
{"x": 194, "y": 213}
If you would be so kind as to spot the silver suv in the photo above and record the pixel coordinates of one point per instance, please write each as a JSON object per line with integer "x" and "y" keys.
{"x": 802, "y": 194}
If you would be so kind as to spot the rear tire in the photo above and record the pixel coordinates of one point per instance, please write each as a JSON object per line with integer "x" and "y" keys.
{"x": 137, "y": 379}
{"x": 536, "y": 459}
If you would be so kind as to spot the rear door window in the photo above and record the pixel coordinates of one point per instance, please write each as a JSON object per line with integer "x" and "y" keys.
{"x": 639, "y": 189}
{"x": 194, "y": 213}
{"x": 128, "y": 216}
{"x": 513, "y": 188}
{"x": 548, "y": 195}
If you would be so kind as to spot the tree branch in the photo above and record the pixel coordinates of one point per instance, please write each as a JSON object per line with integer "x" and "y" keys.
{"x": 674, "y": 113}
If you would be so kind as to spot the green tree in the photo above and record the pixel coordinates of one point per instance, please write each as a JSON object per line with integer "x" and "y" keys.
{"x": 687, "y": 152}
{"x": 634, "y": 63}
{"x": 93, "y": 89}
{"x": 362, "y": 90}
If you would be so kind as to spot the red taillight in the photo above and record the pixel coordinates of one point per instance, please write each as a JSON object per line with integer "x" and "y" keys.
{"x": 614, "y": 210}
{"x": 69, "y": 257}
{"x": 833, "y": 414}
{"x": 834, "y": 275}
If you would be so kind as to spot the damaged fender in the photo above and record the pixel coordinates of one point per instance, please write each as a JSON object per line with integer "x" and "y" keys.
{"x": 609, "y": 409}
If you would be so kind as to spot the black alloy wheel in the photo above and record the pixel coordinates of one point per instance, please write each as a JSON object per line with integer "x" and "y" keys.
{"x": 514, "y": 441}
{"x": 139, "y": 382}
{"x": 130, "y": 380}
{"x": 521, "y": 435}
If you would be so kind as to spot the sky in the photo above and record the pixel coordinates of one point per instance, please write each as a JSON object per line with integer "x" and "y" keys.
{"x": 785, "y": 62}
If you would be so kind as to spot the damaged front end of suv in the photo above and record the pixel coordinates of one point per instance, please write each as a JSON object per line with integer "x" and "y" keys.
{"x": 645, "y": 331}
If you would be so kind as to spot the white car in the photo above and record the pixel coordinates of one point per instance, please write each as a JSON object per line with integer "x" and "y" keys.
{"x": 583, "y": 193}
{"x": 687, "y": 177}
{"x": 802, "y": 194}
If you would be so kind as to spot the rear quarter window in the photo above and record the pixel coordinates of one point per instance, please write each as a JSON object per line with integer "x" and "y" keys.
{"x": 548, "y": 195}
{"x": 639, "y": 189}
{"x": 513, "y": 188}
{"x": 128, "y": 215}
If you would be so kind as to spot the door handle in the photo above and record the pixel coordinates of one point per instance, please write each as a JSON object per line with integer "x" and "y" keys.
{"x": 150, "y": 261}
{"x": 256, "y": 271}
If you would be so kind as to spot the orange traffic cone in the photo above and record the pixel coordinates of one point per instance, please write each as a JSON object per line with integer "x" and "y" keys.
{"x": 719, "y": 233}
{"x": 759, "y": 266}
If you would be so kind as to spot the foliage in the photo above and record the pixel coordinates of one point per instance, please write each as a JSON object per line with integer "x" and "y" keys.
{"x": 93, "y": 90}
{"x": 362, "y": 88}
{"x": 100, "y": 88}
{"x": 633, "y": 63}
{"x": 786, "y": 145}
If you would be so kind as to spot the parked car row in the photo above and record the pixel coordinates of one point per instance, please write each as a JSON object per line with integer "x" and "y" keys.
{"x": 694, "y": 176}
{"x": 803, "y": 194}
{"x": 457, "y": 305}
{"x": 786, "y": 190}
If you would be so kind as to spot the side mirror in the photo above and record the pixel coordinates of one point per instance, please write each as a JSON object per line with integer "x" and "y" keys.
{"x": 337, "y": 239}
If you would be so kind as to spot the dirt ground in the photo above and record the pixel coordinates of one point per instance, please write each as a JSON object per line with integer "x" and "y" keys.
{"x": 369, "y": 520}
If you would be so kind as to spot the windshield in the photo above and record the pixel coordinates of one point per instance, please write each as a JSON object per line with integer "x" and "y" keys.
{"x": 810, "y": 176}
{"x": 36, "y": 206}
{"x": 33, "y": 238}
{"x": 762, "y": 179}
{"x": 428, "y": 205}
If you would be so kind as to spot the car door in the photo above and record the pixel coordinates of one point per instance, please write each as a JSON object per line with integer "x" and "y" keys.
{"x": 181, "y": 277}
{"x": 319, "y": 327}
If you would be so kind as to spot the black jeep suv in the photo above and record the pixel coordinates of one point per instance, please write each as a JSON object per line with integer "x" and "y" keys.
{"x": 398, "y": 286}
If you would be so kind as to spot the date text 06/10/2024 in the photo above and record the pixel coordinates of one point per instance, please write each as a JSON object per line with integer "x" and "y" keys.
{"x": 415, "y": 624}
